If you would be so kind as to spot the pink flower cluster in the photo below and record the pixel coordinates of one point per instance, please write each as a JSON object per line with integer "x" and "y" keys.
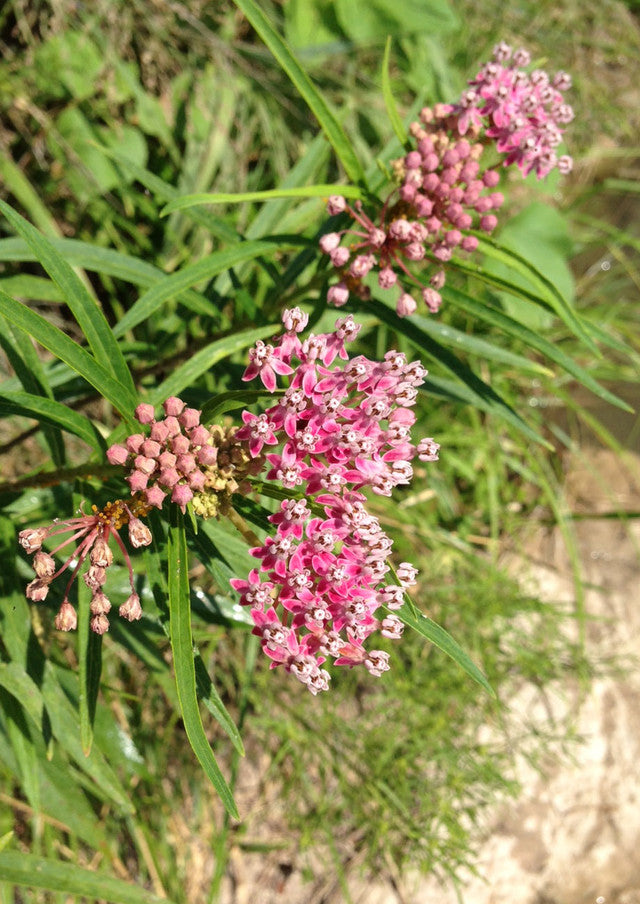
{"x": 92, "y": 534}
{"x": 339, "y": 429}
{"x": 444, "y": 190}
{"x": 171, "y": 459}
{"x": 523, "y": 113}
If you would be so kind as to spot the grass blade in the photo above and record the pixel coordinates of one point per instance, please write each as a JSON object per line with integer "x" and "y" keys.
{"x": 183, "y": 661}
{"x": 30, "y": 871}
{"x": 84, "y": 307}
{"x": 271, "y": 194}
{"x": 309, "y": 93}
{"x": 234, "y": 399}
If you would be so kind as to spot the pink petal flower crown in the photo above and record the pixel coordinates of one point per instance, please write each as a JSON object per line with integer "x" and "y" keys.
{"x": 341, "y": 426}
{"x": 444, "y": 189}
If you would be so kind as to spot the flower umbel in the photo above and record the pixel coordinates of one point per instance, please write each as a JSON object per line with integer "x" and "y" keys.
{"x": 336, "y": 431}
{"x": 92, "y": 534}
{"x": 446, "y": 186}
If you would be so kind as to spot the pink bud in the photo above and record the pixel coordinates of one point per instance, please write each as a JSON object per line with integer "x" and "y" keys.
{"x": 173, "y": 426}
{"x": 168, "y": 477}
{"x": 167, "y": 460}
{"x": 432, "y": 299}
{"x": 207, "y": 455}
{"x": 339, "y": 256}
{"x": 338, "y": 295}
{"x": 336, "y": 204}
{"x": 66, "y": 619}
{"x": 491, "y": 178}
{"x": 159, "y": 432}
{"x": 329, "y": 242}
{"x": 144, "y": 464}
{"x": 438, "y": 279}
{"x": 173, "y": 406}
{"x": 190, "y": 418}
{"x": 150, "y": 448}
{"x": 145, "y": 413}
{"x": 197, "y": 481}
{"x": 387, "y": 278}
{"x": 488, "y": 223}
{"x": 199, "y": 436}
{"x": 117, "y": 455}
{"x": 155, "y": 496}
{"x": 180, "y": 444}
{"x": 181, "y": 495}
{"x": 137, "y": 481}
{"x": 469, "y": 243}
{"x": 186, "y": 463}
{"x": 406, "y": 305}
{"x": 134, "y": 442}
{"x": 131, "y": 608}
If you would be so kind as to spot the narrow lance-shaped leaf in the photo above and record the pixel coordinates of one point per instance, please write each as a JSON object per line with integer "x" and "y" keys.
{"x": 532, "y": 340}
{"x": 270, "y": 194}
{"x": 183, "y": 662}
{"x": 445, "y": 642}
{"x": 204, "y": 360}
{"x": 30, "y": 871}
{"x": 85, "y": 309}
{"x": 71, "y": 353}
{"x": 171, "y": 286}
{"x": 480, "y": 393}
{"x": 389, "y": 102}
{"x": 51, "y": 412}
{"x": 309, "y": 93}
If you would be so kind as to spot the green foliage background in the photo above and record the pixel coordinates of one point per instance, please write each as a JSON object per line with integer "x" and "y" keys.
{"x": 111, "y": 111}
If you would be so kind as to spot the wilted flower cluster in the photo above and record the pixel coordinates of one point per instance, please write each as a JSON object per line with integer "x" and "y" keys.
{"x": 338, "y": 429}
{"x": 445, "y": 188}
{"x": 92, "y": 534}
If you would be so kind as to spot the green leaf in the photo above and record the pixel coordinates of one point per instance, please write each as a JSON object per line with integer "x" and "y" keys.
{"x": 183, "y": 662}
{"x": 188, "y": 276}
{"x": 309, "y": 93}
{"x": 30, "y": 871}
{"x": 89, "y": 669}
{"x": 51, "y": 412}
{"x": 532, "y": 340}
{"x": 212, "y": 700}
{"x": 71, "y": 353}
{"x": 203, "y": 360}
{"x": 389, "y": 102}
{"x": 15, "y": 679}
{"x": 270, "y": 194}
{"x": 445, "y": 642}
{"x": 85, "y": 309}
{"x": 478, "y": 392}
{"x": 543, "y": 292}
{"x": 234, "y": 399}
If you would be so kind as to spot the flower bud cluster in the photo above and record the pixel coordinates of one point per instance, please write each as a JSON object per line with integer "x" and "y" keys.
{"x": 172, "y": 459}
{"x": 338, "y": 429}
{"x": 229, "y": 475}
{"x": 94, "y": 533}
{"x": 445, "y": 189}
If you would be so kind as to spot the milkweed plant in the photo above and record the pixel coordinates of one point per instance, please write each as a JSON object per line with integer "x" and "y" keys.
{"x": 289, "y": 457}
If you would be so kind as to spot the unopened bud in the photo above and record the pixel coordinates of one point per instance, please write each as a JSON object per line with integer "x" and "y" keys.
{"x": 66, "y": 619}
